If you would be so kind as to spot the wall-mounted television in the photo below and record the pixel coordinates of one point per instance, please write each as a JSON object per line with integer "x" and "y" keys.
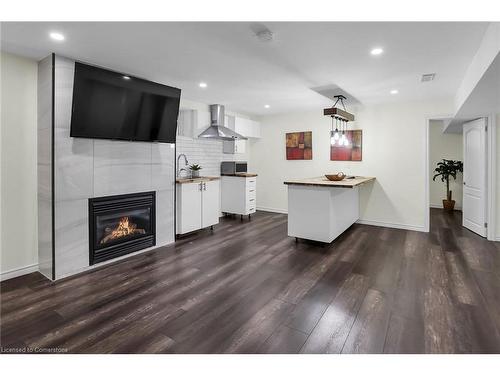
{"x": 112, "y": 105}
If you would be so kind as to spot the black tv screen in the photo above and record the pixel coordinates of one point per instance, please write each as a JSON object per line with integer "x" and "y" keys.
{"x": 111, "y": 105}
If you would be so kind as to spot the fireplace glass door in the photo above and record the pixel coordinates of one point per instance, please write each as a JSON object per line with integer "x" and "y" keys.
{"x": 120, "y": 225}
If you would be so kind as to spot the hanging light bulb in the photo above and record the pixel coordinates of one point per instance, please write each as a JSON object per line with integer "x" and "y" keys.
{"x": 336, "y": 135}
{"x": 346, "y": 140}
{"x": 332, "y": 140}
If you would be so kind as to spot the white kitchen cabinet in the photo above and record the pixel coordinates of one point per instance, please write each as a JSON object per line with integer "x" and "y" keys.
{"x": 186, "y": 122}
{"x": 197, "y": 205}
{"x": 229, "y": 122}
{"x": 239, "y": 194}
{"x": 210, "y": 205}
{"x": 237, "y": 146}
{"x": 246, "y": 127}
{"x": 254, "y": 129}
{"x": 192, "y": 122}
{"x": 203, "y": 122}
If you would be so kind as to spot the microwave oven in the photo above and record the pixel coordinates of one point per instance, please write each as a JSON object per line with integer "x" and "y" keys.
{"x": 233, "y": 167}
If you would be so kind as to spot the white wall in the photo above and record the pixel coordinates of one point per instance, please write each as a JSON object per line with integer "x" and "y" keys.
{"x": 444, "y": 146}
{"x": 18, "y": 158}
{"x": 393, "y": 151}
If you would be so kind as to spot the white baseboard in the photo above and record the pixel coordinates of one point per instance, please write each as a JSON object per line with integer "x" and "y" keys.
{"x": 392, "y": 225}
{"x": 271, "y": 209}
{"x": 18, "y": 272}
{"x": 457, "y": 208}
{"x": 366, "y": 222}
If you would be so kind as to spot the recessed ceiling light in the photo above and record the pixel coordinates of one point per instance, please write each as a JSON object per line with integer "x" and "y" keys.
{"x": 394, "y": 92}
{"x": 203, "y": 85}
{"x": 376, "y": 51}
{"x": 126, "y": 77}
{"x": 57, "y": 36}
{"x": 267, "y": 106}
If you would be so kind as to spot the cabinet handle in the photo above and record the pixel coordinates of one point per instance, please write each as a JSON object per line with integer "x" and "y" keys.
{"x": 251, "y": 200}
{"x": 201, "y": 186}
{"x": 251, "y": 191}
{"x": 204, "y": 186}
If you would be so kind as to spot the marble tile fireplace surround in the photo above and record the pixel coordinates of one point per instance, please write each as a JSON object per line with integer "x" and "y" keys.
{"x": 72, "y": 172}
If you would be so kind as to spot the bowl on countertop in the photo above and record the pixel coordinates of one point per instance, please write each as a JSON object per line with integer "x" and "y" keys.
{"x": 335, "y": 177}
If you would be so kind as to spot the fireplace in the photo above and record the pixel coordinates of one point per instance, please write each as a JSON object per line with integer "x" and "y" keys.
{"x": 121, "y": 224}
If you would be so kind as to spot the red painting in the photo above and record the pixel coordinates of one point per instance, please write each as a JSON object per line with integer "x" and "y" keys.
{"x": 299, "y": 146}
{"x": 351, "y": 152}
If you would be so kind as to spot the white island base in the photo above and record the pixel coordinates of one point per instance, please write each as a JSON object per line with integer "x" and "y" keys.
{"x": 322, "y": 210}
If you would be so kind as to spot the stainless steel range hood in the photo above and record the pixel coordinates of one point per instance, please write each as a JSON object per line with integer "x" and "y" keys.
{"x": 217, "y": 130}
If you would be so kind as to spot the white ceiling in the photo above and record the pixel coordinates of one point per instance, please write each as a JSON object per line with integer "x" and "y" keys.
{"x": 245, "y": 74}
{"x": 483, "y": 100}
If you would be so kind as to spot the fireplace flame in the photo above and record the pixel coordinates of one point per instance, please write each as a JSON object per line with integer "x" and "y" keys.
{"x": 124, "y": 228}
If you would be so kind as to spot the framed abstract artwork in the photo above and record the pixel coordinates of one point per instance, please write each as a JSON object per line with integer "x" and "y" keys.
{"x": 299, "y": 146}
{"x": 353, "y": 151}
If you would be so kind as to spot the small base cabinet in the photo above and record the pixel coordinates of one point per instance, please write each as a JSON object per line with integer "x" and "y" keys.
{"x": 239, "y": 195}
{"x": 197, "y": 205}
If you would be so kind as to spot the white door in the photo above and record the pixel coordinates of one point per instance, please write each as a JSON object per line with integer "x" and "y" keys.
{"x": 189, "y": 207}
{"x": 474, "y": 193}
{"x": 210, "y": 203}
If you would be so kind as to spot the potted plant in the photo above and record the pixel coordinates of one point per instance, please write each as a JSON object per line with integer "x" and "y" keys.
{"x": 195, "y": 170}
{"x": 446, "y": 169}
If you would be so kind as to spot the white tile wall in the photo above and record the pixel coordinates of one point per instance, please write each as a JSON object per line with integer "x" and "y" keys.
{"x": 87, "y": 168}
{"x": 207, "y": 153}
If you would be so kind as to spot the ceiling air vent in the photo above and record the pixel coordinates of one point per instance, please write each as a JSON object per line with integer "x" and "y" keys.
{"x": 428, "y": 77}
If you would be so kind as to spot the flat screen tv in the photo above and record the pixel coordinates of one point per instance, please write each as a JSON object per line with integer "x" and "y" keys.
{"x": 111, "y": 105}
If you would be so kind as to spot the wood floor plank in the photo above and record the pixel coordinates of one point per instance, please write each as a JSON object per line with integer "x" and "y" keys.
{"x": 284, "y": 340}
{"x": 310, "y": 309}
{"x": 247, "y": 287}
{"x": 404, "y": 336}
{"x": 331, "y": 332}
{"x": 258, "y": 329}
{"x": 368, "y": 332}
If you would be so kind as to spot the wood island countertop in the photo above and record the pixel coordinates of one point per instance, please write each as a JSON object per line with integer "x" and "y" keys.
{"x": 240, "y": 175}
{"x": 323, "y": 181}
{"x": 195, "y": 179}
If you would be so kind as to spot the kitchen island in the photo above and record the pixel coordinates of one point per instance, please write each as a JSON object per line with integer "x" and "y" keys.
{"x": 320, "y": 209}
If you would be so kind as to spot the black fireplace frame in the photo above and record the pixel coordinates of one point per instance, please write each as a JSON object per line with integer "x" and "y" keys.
{"x": 126, "y": 246}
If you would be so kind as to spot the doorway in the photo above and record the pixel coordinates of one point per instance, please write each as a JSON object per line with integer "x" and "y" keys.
{"x": 480, "y": 210}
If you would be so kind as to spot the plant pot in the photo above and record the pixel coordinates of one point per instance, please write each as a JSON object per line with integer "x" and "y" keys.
{"x": 448, "y": 205}
{"x": 195, "y": 174}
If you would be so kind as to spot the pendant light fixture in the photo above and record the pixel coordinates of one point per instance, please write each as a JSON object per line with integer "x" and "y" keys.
{"x": 334, "y": 134}
{"x": 342, "y": 116}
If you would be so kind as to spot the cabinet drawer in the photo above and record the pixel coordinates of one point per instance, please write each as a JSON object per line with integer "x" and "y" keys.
{"x": 251, "y": 202}
{"x": 251, "y": 182}
{"x": 251, "y": 194}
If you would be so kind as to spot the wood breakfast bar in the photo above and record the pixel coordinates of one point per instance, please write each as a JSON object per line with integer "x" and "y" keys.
{"x": 320, "y": 209}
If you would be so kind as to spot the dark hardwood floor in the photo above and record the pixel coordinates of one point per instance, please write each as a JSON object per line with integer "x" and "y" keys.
{"x": 248, "y": 288}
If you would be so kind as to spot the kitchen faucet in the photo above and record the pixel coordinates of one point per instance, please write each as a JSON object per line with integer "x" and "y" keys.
{"x": 186, "y": 163}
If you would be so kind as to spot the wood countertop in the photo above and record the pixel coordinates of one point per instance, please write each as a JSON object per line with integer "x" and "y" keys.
{"x": 240, "y": 175}
{"x": 323, "y": 181}
{"x": 195, "y": 180}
